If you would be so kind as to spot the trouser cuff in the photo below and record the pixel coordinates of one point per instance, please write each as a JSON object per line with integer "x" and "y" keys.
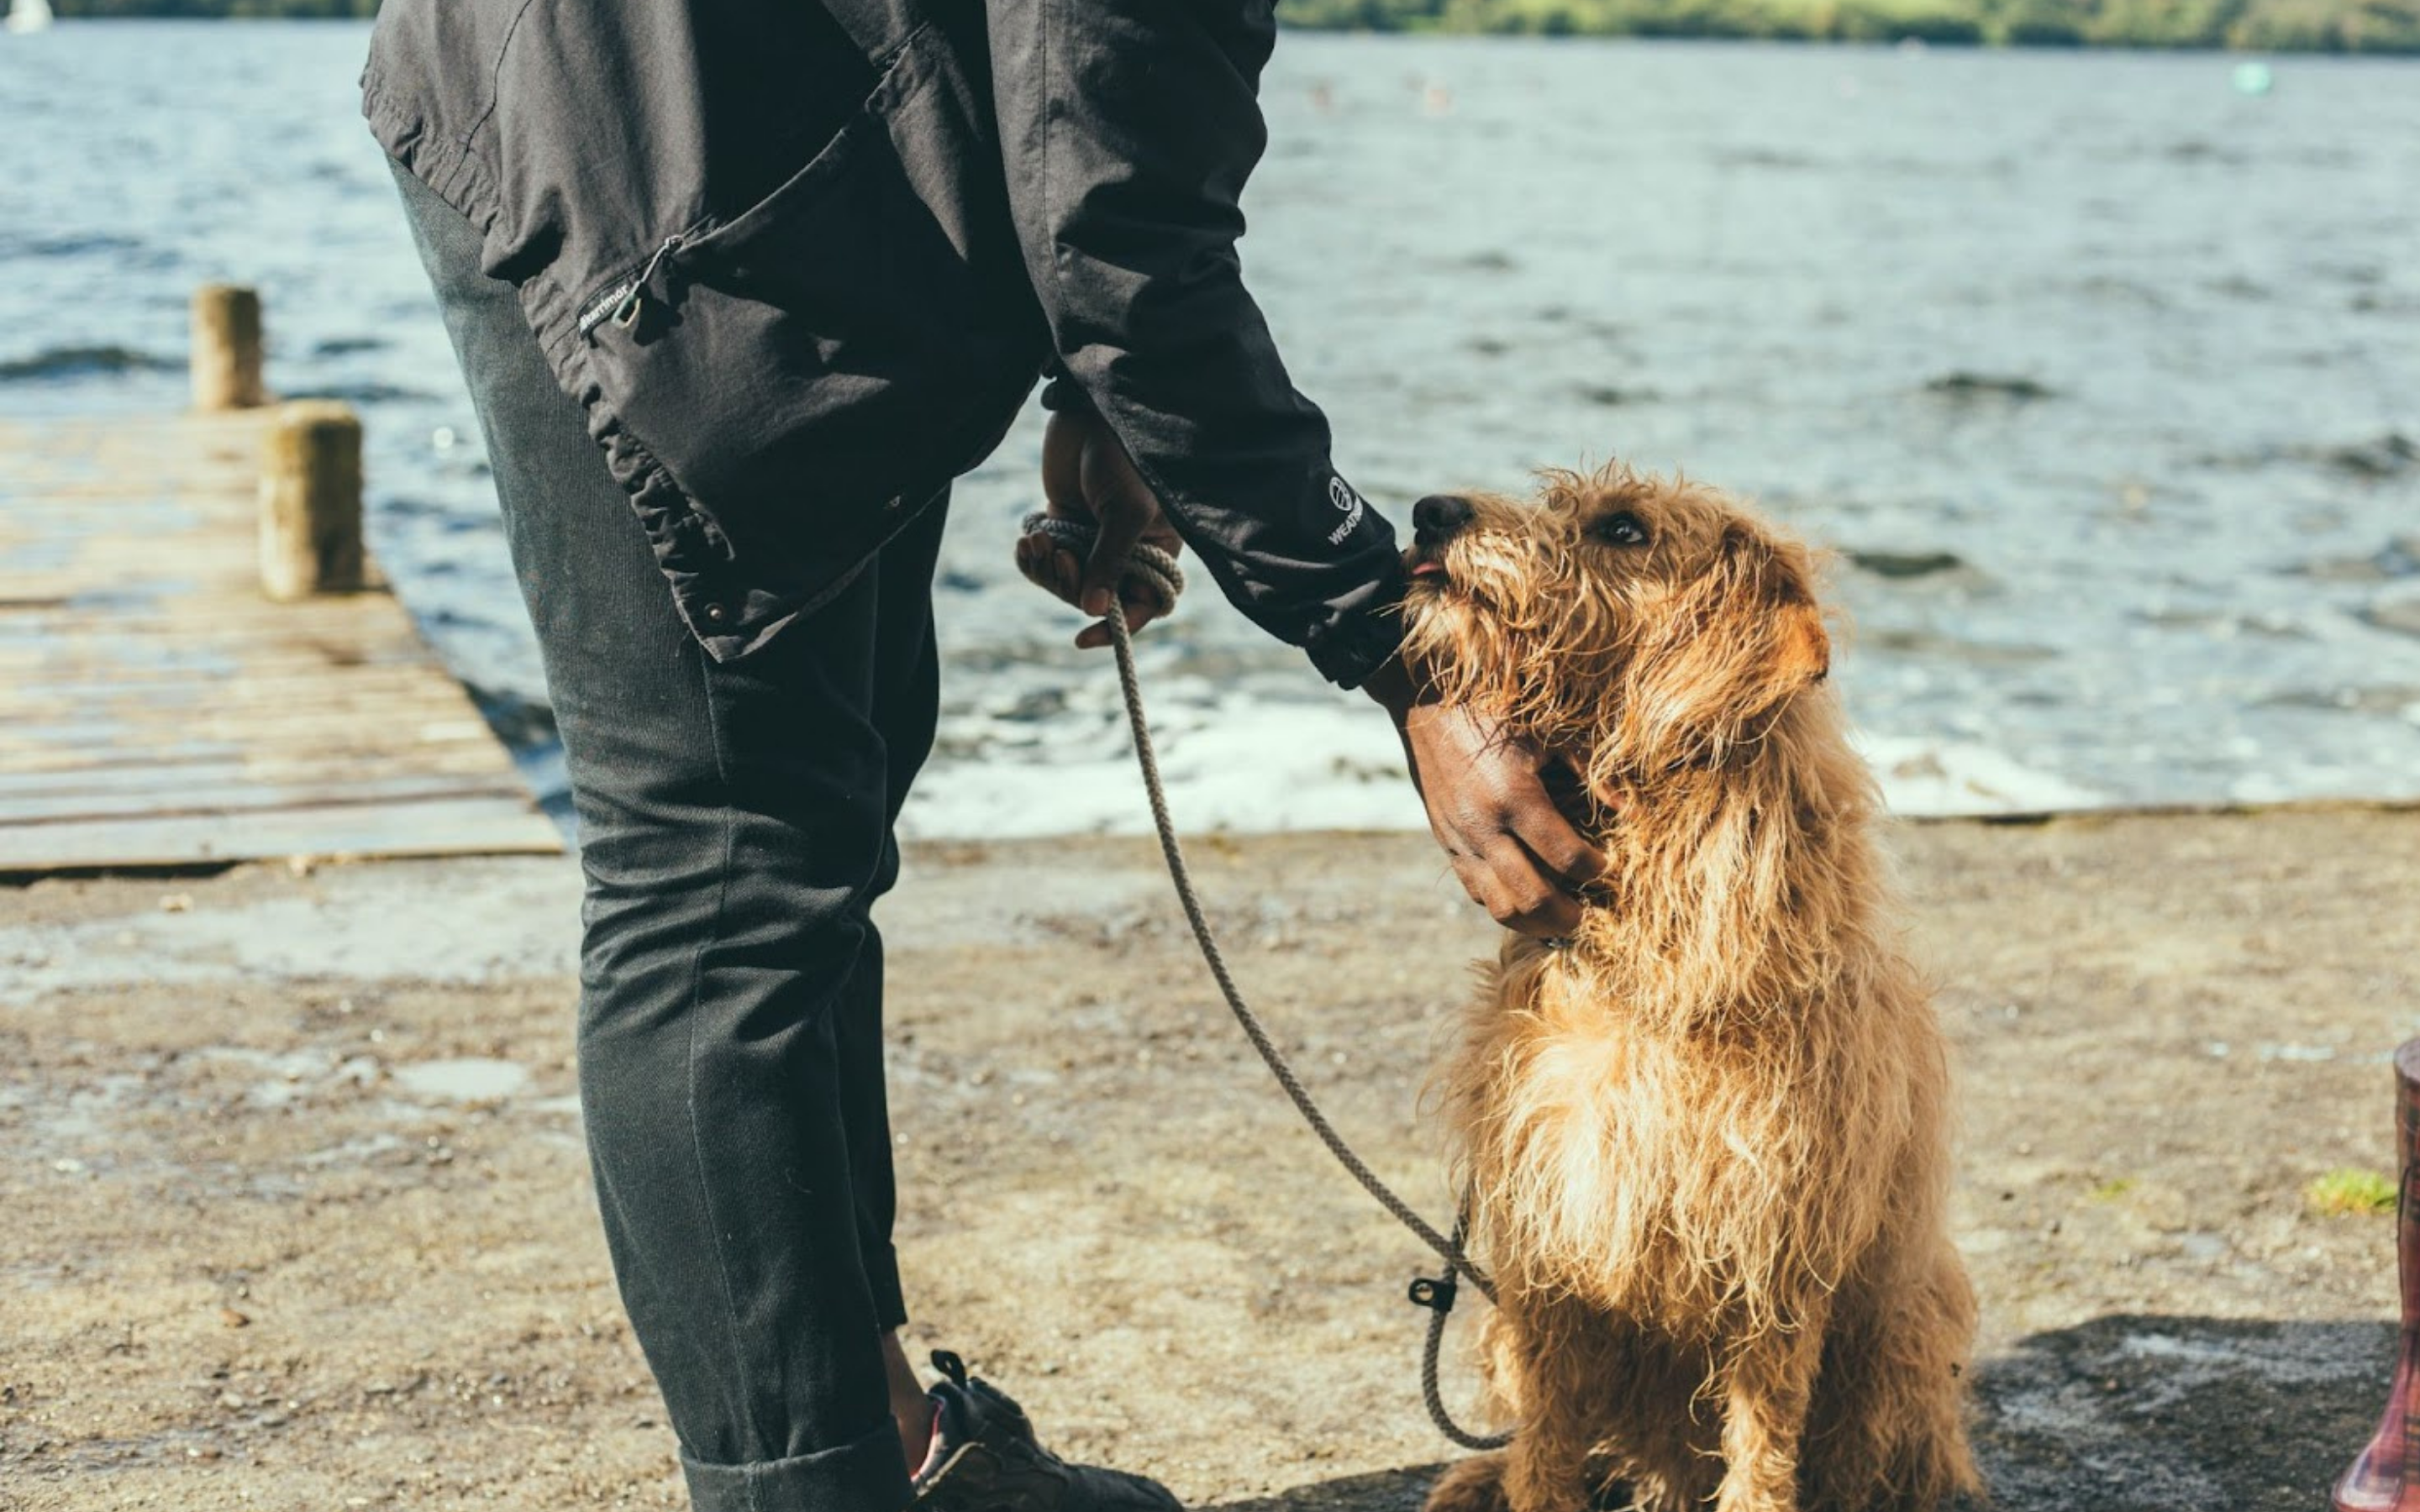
{"x": 866, "y": 1476}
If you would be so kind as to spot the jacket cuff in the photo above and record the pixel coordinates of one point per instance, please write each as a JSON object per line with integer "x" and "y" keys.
{"x": 1063, "y": 395}
{"x": 1364, "y": 635}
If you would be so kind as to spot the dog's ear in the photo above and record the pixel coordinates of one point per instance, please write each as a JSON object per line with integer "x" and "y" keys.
{"x": 1771, "y": 590}
{"x": 1745, "y": 639}
{"x": 1803, "y": 650}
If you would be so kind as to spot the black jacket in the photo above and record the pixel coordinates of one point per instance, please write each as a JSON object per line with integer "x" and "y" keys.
{"x": 801, "y": 262}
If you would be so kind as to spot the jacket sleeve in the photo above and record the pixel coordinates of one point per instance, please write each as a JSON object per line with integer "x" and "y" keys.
{"x": 1128, "y": 127}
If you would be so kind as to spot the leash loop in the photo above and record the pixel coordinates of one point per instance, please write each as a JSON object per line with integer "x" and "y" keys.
{"x": 1439, "y": 1292}
{"x": 1144, "y": 561}
{"x": 1439, "y": 1300}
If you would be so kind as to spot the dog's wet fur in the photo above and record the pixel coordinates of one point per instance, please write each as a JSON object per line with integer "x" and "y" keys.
{"x": 1705, "y": 1138}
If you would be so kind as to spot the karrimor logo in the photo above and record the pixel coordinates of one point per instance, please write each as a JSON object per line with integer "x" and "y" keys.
{"x": 1340, "y": 494}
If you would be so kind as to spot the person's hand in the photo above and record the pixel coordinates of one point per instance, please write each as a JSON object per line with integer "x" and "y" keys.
{"x": 1087, "y": 476}
{"x": 1518, "y": 856}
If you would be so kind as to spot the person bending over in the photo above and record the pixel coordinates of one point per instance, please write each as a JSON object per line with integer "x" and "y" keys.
{"x": 738, "y": 289}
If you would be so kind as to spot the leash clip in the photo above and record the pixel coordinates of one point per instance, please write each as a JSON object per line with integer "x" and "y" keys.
{"x": 1434, "y": 1292}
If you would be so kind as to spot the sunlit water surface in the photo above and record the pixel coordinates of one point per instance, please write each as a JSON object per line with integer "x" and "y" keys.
{"x": 2100, "y": 377}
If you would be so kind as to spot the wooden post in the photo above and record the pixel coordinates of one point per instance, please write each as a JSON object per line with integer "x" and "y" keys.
{"x": 227, "y": 348}
{"x": 311, "y": 501}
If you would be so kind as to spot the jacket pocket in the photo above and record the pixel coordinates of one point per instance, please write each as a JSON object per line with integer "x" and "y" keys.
{"x": 863, "y": 333}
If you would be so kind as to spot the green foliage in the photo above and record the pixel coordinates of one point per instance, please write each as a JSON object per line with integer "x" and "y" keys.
{"x": 2269, "y": 25}
{"x": 2262, "y": 25}
{"x": 219, "y": 10}
{"x": 2328, "y": 26}
{"x": 2040, "y": 24}
{"x": 2162, "y": 22}
{"x": 1363, "y": 15}
{"x": 1945, "y": 22}
{"x": 2350, "y": 1190}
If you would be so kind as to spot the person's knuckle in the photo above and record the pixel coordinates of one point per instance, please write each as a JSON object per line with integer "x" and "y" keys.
{"x": 1532, "y": 895}
{"x": 1514, "y": 809}
{"x": 1568, "y": 855}
{"x": 1490, "y": 777}
{"x": 1524, "y": 824}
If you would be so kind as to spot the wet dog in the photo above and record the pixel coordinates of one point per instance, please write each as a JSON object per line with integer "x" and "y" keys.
{"x": 1705, "y": 1138}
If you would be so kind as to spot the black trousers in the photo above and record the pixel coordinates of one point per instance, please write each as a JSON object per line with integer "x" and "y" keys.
{"x": 736, "y": 830}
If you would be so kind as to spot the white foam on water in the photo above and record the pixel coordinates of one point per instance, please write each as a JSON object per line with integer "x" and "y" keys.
{"x": 1247, "y": 765}
{"x": 1929, "y": 777}
{"x": 1236, "y": 765}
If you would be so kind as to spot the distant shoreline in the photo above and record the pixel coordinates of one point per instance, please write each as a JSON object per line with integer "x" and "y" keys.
{"x": 2378, "y": 27}
{"x": 2387, "y": 26}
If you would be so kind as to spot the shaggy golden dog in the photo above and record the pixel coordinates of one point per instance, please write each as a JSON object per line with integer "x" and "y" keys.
{"x": 1704, "y": 1139}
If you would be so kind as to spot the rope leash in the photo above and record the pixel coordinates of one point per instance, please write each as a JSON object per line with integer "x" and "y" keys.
{"x": 1437, "y": 1293}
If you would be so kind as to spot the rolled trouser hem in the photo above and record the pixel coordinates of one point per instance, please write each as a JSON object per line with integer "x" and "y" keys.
{"x": 866, "y": 1476}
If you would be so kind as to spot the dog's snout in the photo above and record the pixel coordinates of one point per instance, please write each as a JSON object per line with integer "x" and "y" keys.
{"x": 1439, "y": 517}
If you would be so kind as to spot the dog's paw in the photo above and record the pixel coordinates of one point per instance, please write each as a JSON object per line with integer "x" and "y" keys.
{"x": 1474, "y": 1485}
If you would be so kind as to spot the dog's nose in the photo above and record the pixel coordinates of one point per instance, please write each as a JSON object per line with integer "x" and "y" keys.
{"x": 1439, "y": 517}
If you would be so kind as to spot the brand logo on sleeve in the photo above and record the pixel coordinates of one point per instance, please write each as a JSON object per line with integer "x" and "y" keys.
{"x": 1340, "y": 494}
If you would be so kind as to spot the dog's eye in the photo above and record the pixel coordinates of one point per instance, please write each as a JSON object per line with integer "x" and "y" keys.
{"x": 1622, "y": 529}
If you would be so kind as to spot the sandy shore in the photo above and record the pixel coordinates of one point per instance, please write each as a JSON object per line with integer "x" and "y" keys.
{"x": 299, "y": 1218}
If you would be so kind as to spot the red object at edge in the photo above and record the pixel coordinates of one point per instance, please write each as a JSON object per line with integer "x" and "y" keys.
{"x": 2386, "y": 1477}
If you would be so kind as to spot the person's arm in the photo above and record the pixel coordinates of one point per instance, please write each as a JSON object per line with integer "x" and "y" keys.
{"x": 1128, "y": 127}
{"x": 1518, "y": 856}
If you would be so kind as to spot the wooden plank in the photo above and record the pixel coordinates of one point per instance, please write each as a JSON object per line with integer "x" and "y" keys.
{"x": 175, "y": 611}
{"x": 185, "y": 705}
{"x": 248, "y": 792}
{"x": 77, "y": 756}
{"x": 254, "y": 684}
{"x": 189, "y": 773}
{"x": 155, "y": 708}
{"x": 457, "y": 826}
{"x": 332, "y": 730}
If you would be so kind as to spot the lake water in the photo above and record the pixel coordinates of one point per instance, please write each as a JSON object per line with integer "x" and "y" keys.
{"x": 2102, "y": 379}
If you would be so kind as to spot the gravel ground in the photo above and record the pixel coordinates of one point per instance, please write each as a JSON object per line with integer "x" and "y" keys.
{"x": 299, "y": 1217}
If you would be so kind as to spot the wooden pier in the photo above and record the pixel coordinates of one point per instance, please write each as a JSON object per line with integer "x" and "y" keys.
{"x": 158, "y": 706}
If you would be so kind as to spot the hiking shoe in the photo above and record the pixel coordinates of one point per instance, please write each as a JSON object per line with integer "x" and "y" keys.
{"x": 985, "y": 1459}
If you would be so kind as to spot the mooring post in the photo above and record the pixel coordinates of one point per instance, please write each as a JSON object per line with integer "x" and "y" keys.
{"x": 311, "y": 501}
{"x": 2386, "y": 1477}
{"x": 227, "y": 348}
